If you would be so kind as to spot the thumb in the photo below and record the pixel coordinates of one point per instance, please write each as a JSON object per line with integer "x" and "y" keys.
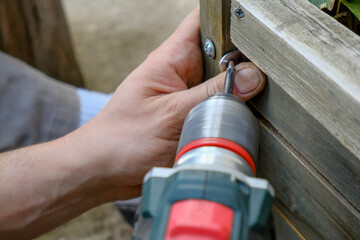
{"x": 249, "y": 81}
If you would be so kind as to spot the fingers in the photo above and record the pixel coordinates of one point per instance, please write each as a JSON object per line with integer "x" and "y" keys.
{"x": 249, "y": 81}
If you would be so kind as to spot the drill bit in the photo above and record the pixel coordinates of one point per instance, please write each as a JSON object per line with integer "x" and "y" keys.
{"x": 229, "y": 78}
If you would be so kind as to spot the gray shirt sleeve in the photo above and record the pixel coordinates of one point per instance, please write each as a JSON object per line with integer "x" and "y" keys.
{"x": 34, "y": 108}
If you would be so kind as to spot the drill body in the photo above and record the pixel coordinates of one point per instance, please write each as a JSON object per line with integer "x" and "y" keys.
{"x": 211, "y": 192}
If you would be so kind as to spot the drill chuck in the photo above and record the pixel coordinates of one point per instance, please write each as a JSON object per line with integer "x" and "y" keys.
{"x": 222, "y": 121}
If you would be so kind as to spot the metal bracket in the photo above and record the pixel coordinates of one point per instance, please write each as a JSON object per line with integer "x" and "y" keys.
{"x": 235, "y": 56}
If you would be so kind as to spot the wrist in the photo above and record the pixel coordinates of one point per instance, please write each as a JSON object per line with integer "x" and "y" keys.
{"x": 85, "y": 170}
{"x": 97, "y": 155}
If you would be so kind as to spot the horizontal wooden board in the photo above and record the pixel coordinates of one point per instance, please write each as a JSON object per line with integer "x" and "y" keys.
{"x": 315, "y": 143}
{"x": 284, "y": 228}
{"x": 313, "y": 95}
{"x": 312, "y": 207}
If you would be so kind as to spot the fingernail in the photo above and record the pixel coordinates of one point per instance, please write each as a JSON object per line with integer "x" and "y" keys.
{"x": 247, "y": 80}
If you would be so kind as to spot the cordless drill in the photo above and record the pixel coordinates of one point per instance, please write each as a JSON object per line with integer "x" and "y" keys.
{"x": 211, "y": 192}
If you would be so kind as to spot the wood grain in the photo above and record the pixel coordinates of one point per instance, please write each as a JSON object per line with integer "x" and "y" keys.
{"x": 313, "y": 96}
{"x": 284, "y": 229}
{"x": 315, "y": 143}
{"x": 215, "y": 25}
{"x": 36, "y": 32}
{"x": 302, "y": 193}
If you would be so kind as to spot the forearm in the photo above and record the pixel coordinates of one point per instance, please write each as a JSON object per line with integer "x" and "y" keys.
{"x": 47, "y": 184}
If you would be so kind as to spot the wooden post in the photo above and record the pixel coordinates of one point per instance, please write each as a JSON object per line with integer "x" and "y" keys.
{"x": 36, "y": 32}
{"x": 215, "y": 25}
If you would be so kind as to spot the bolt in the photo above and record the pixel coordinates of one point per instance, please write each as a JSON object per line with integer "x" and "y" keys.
{"x": 209, "y": 48}
{"x": 239, "y": 13}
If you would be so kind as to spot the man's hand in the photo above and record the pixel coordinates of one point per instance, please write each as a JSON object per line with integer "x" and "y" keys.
{"x": 45, "y": 185}
{"x": 141, "y": 125}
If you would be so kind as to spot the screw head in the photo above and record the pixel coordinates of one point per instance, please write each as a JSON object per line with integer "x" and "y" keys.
{"x": 209, "y": 48}
{"x": 239, "y": 13}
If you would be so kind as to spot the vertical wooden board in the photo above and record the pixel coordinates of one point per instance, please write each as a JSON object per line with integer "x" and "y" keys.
{"x": 36, "y": 31}
{"x": 326, "y": 109}
{"x": 316, "y": 207}
{"x": 215, "y": 25}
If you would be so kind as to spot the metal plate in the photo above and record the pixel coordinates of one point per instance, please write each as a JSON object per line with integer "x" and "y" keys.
{"x": 236, "y": 56}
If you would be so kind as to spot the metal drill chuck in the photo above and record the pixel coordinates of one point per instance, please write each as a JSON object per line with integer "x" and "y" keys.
{"x": 222, "y": 121}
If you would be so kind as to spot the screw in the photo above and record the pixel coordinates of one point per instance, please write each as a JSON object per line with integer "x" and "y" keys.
{"x": 209, "y": 48}
{"x": 239, "y": 13}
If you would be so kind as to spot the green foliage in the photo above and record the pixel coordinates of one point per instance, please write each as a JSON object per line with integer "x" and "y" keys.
{"x": 354, "y": 6}
{"x": 329, "y": 4}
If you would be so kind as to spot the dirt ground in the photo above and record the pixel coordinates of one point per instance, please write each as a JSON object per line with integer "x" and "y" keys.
{"x": 111, "y": 38}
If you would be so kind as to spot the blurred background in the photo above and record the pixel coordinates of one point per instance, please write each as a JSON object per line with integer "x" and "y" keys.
{"x": 110, "y": 39}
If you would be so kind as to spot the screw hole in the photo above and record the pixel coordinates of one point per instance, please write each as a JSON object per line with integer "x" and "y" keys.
{"x": 239, "y": 13}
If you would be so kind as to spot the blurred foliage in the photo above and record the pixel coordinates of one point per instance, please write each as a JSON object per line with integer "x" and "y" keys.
{"x": 346, "y": 12}
{"x": 354, "y": 6}
{"x": 323, "y": 3}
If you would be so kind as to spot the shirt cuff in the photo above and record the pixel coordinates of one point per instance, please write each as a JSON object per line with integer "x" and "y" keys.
{"x": 91, "y": 103}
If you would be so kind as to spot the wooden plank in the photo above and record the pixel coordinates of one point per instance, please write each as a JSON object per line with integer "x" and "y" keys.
{"x": 36, "y": 32}
{"x": 314, "y": 207}
{"x": 215, "y": 25}
{"x": 314, "y": 142}
{"x": 313, "y": 96}
{"x": 284, "y": 229}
